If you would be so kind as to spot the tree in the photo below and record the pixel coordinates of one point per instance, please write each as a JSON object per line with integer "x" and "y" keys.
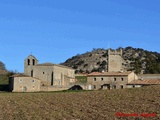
{"x": 137, "y": 66}
{"x": 2, "y": 66}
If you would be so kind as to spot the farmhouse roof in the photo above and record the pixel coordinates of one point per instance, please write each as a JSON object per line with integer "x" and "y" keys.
{"x": 23, "y": 75}
{"x": 109, "y": 73}
{"x": 145, "y": 82}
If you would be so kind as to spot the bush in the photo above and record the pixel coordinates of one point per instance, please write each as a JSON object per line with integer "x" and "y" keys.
{"x": 80, "y": 62}
{"x": 90, "y": 55}
{"x": 103, "y": 63}
{"x": 85, "y": 65}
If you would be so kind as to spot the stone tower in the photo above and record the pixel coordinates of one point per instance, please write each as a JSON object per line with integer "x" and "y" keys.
{"x": 114, "y": 60}
{"x": 29, "y": 63}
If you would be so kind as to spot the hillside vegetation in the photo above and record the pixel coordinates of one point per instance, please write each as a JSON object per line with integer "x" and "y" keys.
{"x": 134, "y": 59}
{"x": 2, "y": 66}
{"x": 89, "y": 105}
{"x": 4, "y": 80}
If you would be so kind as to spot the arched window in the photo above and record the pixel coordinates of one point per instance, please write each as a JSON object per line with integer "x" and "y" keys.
{"x": 28, "y": 61}
{"x": 33, "y": 61}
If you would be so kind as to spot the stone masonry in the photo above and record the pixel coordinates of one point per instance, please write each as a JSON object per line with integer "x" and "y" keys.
{"x": 114, "y": 60}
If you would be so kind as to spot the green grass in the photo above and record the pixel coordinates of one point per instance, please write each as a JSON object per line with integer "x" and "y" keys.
{"x": 4, "y": 83}
{"x": 3, "y": 80}
{"x": 81, "y": 79}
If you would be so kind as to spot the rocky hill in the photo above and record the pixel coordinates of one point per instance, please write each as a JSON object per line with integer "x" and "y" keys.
{"x": 135, "y": 59}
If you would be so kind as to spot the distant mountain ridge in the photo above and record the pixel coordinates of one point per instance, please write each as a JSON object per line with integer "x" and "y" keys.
{"x": 136, "y": 59}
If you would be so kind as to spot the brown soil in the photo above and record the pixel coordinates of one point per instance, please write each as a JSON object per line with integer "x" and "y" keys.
{"x": 89, "y": 105}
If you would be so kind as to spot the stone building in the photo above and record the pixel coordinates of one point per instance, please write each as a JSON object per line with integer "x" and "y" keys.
{"x": 52, "y": 76}
{"x": 115, "y": 60}
{"x": 117, "y": 76}
{"x": 110, "y": 80}
{"x": 24, "y": 83}
{"x": 144, "y": 82}
{"x": 149, "y": 76}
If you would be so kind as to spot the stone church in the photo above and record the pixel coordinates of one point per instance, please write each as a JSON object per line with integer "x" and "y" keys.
{"x": 51, "y": 76}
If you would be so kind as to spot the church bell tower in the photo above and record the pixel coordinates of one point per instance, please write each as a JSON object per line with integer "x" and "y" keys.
{"x": 29, "y": 63}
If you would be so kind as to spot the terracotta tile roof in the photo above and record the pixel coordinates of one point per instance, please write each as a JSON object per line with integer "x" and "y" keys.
{"x": 95, "y": 73}
{"x": 23, "y": 75}
{"x": 145, "y": 82}
{"x": 108, "y": 73}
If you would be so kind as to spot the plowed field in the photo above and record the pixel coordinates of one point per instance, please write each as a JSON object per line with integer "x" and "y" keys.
{"x": 89, "y": 105}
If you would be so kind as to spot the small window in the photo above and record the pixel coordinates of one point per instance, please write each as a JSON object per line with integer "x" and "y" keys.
{"x": 31, "y": 73}
{"x": 94, "y": 86}
{"x": 121, "y": 86}
{"x": 20, "y": 80}
{"x": 114, "y": 79}
{"x": 33, "y": 81}
{"x": 94, "y": 79}
{"x": 43, "y": 72}
{"x": 101, "y": 79}
{"x": 122, "y": 79}
{"x": 28, "y": 61}
{"x": 33, "y": 61}
{"x": 114, "y": 86}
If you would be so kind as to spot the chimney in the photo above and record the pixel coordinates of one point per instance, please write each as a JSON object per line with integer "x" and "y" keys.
{"x": 141, "y": 78}
{"x": 121, "y": 71}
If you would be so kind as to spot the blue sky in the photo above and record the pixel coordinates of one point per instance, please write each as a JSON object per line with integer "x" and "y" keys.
{"x": 55, "y": 30}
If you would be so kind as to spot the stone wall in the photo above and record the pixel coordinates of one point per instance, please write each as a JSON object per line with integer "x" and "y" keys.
{"x": 60, "y": 73}
{"x": 134, "y": 86}
{"x": 149, "y": 76}
{"x": 110, "y": 81}
{"x": 114, "y": 61}
{"x": 25, "y": 84}
{"x": 132, "y": 76}
{"x": 97, "y": 82}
